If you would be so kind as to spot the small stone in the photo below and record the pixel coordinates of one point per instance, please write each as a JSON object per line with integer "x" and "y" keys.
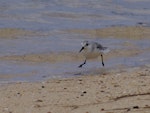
{"x": 102, "y": 109}
{"x": 84, "y": 92}
{"x": 43, "y": 86}
{"x": 37, "y": 106}
{"x": 101, "y": 82}
{"x": 135, "y": 107}
{"x": 39, "y": 101}
{"x": 116, "y": 85}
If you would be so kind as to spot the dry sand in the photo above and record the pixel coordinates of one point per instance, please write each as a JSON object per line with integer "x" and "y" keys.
{"x": 124, "y": 92}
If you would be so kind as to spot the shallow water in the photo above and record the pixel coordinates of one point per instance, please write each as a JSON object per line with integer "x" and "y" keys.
{"x": 66, "y": 14}
{"x": 48, "y": 22}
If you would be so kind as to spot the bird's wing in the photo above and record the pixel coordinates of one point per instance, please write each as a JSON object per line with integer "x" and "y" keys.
{"x": 99, "y": 46}
{"x": 103, "y": 49}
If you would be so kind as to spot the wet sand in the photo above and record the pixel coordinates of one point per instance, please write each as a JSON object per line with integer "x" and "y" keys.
{"x": 123, "y": 92}
{"x": 130, "y": 32}
{"x": 14, "y": 33}
{"x": 67, "y": 56}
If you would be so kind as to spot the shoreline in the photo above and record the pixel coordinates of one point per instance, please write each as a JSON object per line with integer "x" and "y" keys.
{"x": 86, "y": 94}
{"x": 48, "y": 60}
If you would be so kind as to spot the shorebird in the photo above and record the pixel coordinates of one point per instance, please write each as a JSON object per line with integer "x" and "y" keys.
{"x": 92, "y": 50}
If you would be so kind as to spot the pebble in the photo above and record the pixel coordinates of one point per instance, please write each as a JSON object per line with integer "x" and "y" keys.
{"x": 102, "y": 109}
{"x": 39, "y": 101}
{"x": 84, "y": 92}
{"x": 43, "y": 86}
{"x": 135, "y": 107}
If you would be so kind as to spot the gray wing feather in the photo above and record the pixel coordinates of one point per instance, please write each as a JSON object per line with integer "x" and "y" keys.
{"x": 102, "y": 49}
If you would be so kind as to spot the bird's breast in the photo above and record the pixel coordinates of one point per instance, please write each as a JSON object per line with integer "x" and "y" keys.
{"x": 91, "y": 54}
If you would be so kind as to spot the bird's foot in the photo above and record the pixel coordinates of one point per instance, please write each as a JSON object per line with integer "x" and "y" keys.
{"x": 80, "y": 66}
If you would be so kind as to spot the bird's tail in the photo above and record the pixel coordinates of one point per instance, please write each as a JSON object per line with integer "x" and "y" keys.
{"x": 105, "y": 50}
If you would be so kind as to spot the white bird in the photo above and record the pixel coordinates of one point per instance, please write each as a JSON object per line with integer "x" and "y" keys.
{"x": 92, "y": 50}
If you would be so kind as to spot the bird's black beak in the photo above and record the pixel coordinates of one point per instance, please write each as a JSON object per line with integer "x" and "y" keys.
{"x": 81, "y": 49}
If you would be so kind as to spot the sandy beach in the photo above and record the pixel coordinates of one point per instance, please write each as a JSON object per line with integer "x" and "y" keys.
{"x": 123, "y": 92}
{"x": 39, "y": 56}
{"x": 126, "y": 90}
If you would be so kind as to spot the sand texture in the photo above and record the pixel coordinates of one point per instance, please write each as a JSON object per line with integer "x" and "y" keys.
{"x": 123, "y": 92}
{"x": 14, "y": 33}
{"x": 131, "y": 32}
{"x": 39, "y": 56}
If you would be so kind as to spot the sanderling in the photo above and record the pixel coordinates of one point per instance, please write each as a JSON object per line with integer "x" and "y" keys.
{"x": 92, "y": 50}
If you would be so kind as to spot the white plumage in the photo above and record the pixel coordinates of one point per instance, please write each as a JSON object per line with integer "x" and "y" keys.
{"x": 92, "y": 50}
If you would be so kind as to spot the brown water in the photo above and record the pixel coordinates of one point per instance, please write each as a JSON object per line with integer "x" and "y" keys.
{"x": 40, "y": 39}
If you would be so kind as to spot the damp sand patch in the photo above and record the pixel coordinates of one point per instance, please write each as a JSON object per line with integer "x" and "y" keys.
{"x": 14, "y": 33}
{"x": 131, "y": 32}
{"x": 11, "y": 76}
{"x": 39, "y": 58}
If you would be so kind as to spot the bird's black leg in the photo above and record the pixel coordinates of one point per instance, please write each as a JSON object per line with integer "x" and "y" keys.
{"x": 82, "y": 64}
{"x": 102, "y": 59}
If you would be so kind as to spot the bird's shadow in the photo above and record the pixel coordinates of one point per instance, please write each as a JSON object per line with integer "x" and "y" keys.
{"x": 92, "y": 71}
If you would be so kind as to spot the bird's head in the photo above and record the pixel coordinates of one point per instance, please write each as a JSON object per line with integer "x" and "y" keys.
{"x": 84, "y": 45}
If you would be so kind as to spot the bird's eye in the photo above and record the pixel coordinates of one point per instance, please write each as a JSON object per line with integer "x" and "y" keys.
{"x": 87, "y": 44}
